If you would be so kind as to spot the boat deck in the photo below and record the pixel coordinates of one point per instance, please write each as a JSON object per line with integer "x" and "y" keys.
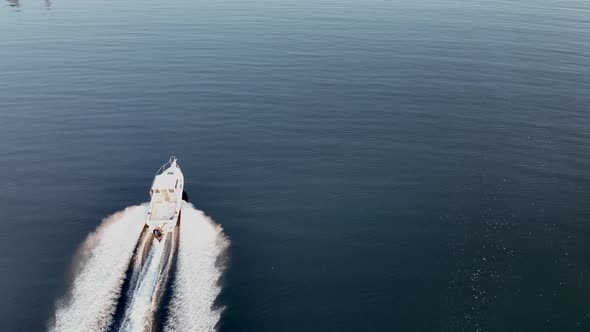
{"x": 164, "y": 205}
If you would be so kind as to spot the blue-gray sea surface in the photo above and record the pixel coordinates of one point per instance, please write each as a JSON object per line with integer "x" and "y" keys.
{"x": 378, "y": 165}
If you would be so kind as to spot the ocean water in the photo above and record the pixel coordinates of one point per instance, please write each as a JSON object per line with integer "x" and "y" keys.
{"x": 377, "y": 165}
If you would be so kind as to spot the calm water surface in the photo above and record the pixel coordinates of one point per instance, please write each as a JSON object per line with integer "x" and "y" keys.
{"x": 378, "y": 165}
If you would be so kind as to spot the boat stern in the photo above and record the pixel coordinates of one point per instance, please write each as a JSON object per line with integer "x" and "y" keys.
{"x": 159, "y": 228}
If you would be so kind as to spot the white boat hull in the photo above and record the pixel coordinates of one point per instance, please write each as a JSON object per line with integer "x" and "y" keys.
{"x": 166, "y": 194}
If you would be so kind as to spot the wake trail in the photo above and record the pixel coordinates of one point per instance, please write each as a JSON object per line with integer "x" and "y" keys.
{"x": 146, "y": 295}
{"x": 101, "y": 266}
{"x": 141, "y": 255}
{"x": 201, "y": 244}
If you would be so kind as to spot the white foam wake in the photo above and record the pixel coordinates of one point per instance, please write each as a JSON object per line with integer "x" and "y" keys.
{"x": 196, "y": 285}
{"x": 136, "y": 317}
{"x": 152, "y": 277}
{"x": 101, "y": 266}
{"x": 140, "y": 257}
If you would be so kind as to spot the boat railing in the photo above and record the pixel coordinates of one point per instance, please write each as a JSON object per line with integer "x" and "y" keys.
{"x": 164, "y": 167}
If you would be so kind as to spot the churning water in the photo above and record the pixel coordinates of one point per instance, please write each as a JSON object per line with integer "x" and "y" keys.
{"x": 118, "y": 251}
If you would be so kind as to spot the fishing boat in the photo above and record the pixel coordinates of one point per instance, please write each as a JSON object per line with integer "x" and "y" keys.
{"x": 167, "y": 193}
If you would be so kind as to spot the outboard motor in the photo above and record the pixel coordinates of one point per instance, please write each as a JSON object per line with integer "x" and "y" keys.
{"x": 158, "y": 234}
